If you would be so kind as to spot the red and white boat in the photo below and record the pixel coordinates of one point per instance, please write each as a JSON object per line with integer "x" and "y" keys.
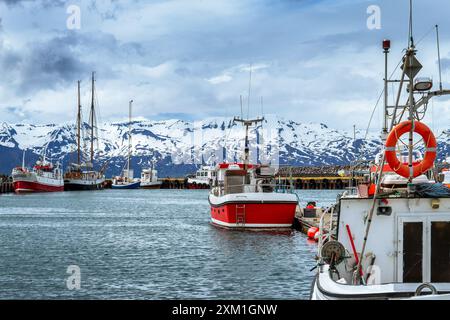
{"x": 202, "y": 178}
{"x": 244, "y": 196}
{"x": 237, "y": 203}
{"x": 44, "y": 177}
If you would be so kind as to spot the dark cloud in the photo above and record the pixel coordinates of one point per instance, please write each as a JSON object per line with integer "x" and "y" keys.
{"x": 50, "y": 64}
{"x": 185, "y": 58}
{"x": 62, "y": 60}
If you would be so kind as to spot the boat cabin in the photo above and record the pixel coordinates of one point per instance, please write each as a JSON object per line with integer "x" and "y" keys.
{"x": 236, "y": 178}
{"x": 409, "y": 242}
{"x": 149, "y": 175}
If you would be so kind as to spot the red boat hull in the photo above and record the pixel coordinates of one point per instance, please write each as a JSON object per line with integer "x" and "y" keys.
{"x": 27, "y": 187}
{"x": 194, "y": 186}
{"x": 254, "y": 215}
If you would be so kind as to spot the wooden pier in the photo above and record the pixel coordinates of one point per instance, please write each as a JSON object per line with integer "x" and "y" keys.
{"x": 174, "y": 183}
{"x": 319, "y": 183}
{"x": 167, "y": 183}
{"x": 6, "y": 186}
{"x": 319, "y": 177}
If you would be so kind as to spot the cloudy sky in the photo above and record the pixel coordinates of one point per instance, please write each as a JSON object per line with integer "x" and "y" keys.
{"x": 312, "y": 60}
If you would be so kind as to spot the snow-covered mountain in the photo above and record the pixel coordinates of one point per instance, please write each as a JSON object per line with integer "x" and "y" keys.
{"x": 178, "y": 147}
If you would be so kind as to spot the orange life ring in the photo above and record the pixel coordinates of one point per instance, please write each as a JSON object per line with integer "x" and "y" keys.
{"x": 430, "y": 154}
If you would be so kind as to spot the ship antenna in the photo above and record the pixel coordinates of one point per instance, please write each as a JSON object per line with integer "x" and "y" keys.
{"x": 439, "y": 57}
{"x": 249, "y": 92}
{"x": 242, "y": 112}
{"x": 411, "y": 38}
{"x": 262, "y": 106}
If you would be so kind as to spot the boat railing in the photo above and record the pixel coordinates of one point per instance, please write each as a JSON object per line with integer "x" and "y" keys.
{"x": 351, "y": 191}
{"x": 325, "y": 232}
{"x": 222, "y": 189}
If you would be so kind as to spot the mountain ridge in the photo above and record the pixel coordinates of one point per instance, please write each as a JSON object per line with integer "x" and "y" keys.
{"x": 179, "y": 146}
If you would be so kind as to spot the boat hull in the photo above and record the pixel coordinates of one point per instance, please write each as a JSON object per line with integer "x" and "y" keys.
{"x": 151, "y": 186}
{"x": 324, "y": 288}
{"x": 198, "y": 186}
{"x": 83, "y": 185}
{"x": 127, "y": 186}
{"x": 31, "y": 186}
{"x": 253, "y": 211}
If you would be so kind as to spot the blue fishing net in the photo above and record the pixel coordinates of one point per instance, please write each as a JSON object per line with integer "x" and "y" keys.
{"x": 432, "y": 190}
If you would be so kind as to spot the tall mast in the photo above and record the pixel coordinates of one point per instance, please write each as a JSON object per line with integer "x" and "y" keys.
{"x": 23, "y": 160}
{"x": 386, "y": 47}
{"x": 410, "y": 55}
{"x": 247, "y": 124}
{"x": 92, "y": 118}
{"x": 129, "y": 140}
{"x": 79, "y": 124}
{"x": 439, "y": 57}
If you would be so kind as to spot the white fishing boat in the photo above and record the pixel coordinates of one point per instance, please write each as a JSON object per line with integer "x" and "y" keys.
{"x": 203, "y": 178}
{"x": 126, "y": 180}
{"x": 394, "y": 242}
{"x": 149, "y": 178}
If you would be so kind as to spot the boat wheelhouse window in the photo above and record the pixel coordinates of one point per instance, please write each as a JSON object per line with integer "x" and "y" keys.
{"x": 234, "y": 181}
{"x": 440, "y": 251}
{"x": 412, "y": 252}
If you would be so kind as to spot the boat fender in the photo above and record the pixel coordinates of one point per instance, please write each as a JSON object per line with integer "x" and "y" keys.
{"x": 312, "y": 232}
{"x": 316, "y": 236}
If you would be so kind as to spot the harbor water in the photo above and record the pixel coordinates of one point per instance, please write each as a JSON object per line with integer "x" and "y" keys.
{"x": 141, "y": 244}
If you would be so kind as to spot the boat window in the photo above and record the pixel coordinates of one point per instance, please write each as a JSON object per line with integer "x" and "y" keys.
{"x": 440, "y": 251}
{"x": 412, "y": 251}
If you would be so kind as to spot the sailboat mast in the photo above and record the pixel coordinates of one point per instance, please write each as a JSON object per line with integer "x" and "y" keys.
{"x": 92, "y": 118}
{"x": 79, "y": 124}
{"x": 129, "y": 140}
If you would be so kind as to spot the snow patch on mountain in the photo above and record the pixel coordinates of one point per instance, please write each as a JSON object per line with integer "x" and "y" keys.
{"x": 179, "y": 146}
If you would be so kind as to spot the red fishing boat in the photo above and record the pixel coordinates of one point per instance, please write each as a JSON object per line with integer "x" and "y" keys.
{"x": 44, "y": 177}
{"x": 245, "y": 195}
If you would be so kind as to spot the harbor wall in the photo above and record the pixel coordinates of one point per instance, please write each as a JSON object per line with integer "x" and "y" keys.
{"x": 6, "y": 186}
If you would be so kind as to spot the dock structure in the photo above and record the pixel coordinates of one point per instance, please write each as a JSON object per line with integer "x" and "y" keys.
{"x": 6, "y": 185}
{"x": 302, "y": 178}
{"x": 319, "y": 183}
{"x": 318, "y": 178}
{"x": 174, "y": 183}
{"x": 167, "y": 183}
